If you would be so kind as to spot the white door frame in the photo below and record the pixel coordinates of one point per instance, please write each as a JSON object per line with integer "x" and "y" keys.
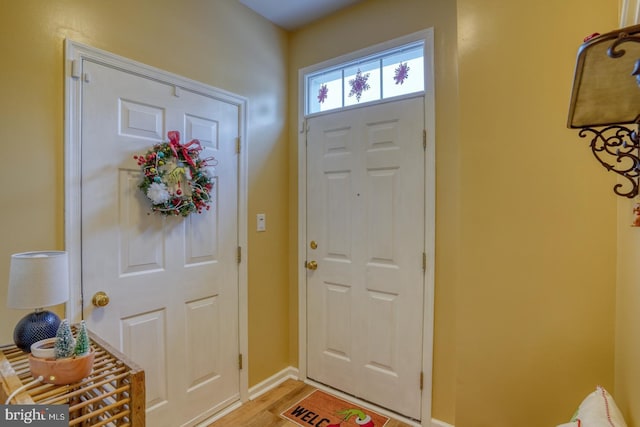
{"x": 74, "y": 54}
{"x": 430, "y": 199}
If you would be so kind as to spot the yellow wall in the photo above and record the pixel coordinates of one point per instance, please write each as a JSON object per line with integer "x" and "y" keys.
{"x": 627, "y": 373}
{"x": 525, "y": 229}
{"x": 537, "y": 288}
{"x": 220, "y": 43}
{"x": 627, "y": 365}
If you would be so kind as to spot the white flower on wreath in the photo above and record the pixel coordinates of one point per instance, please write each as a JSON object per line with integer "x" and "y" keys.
{"x": 209, "y": 172}
{"x": 158, "y": 193}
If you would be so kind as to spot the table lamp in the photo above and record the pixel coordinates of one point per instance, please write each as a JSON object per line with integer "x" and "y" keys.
{"x": 37, "y": 280}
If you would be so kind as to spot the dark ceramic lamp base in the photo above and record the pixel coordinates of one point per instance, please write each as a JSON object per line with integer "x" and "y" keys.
{"x": 34, "y": 327}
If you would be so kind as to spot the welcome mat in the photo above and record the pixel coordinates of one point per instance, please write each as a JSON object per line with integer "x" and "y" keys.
{"x": 320, "y": 409}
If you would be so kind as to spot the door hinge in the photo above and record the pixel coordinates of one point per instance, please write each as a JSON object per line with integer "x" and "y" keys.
{"x": 424, "y": 139}
{"x": 240, "y": 361}
{"x": 239, "y": 255}
{"x": 424, "y": 261}
{"x": 421, "y": 380}
{"x": 75, "y": 69}
{"x": 238, "y": 145}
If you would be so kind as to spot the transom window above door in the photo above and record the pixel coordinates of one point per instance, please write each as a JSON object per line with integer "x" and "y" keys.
{"x": 388, "y": 74}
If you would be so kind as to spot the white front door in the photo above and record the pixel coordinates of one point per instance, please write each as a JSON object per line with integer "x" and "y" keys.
{"x": 172, "y": 281}
{"x": 365, "y": 233}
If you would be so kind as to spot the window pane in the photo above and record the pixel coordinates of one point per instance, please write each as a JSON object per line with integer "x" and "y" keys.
{"x": 403, "y": 72}
{"x": 387, "y": 74}
{"x": 362, "y": 83}
{"x": 324, "y": 91}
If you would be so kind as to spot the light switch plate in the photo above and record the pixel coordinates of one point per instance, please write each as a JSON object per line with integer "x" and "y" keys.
{"x": 261, "y": 220}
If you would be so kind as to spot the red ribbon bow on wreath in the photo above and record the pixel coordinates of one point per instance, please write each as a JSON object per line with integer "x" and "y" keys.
{"x": 174, "y": 143}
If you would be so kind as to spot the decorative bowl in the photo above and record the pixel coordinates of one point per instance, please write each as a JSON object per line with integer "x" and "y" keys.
{"x": 62, "y": 371}
{"x": 44, "y": 349}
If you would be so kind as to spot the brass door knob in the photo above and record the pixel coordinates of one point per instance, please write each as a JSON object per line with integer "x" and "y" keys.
{"x": 100, "y": 299}
{"x": 312, "y": 265}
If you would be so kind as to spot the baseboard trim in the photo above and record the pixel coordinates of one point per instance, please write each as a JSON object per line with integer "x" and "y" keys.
{"x": 438, "y": 423}
{"x": 273, "y": 381}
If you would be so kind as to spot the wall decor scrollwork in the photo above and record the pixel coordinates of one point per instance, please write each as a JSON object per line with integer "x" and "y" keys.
{"x": 616, "y": 147}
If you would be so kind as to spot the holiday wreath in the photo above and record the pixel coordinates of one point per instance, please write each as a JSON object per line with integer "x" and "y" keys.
{"x": 175, "y": 178}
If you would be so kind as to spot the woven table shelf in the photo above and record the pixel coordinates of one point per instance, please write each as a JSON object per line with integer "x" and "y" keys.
{"x": 112, "y": 395}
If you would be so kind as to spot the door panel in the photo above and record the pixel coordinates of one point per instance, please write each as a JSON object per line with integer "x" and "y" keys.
{"x": 172, "y": 281}
{"x": 143, "y": 338}
{"x": 366, "y": 212}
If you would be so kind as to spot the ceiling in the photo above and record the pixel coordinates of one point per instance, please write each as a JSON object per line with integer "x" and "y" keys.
{"x": 294, "y": 14}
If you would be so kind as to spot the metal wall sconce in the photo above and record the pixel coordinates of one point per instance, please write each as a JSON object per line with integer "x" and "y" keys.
{"x": 606, "y": 95}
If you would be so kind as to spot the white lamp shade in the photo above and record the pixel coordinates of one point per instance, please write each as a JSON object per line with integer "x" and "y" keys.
{"x": 38, "y": 279}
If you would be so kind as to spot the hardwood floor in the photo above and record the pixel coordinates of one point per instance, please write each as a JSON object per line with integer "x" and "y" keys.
{"x": 264, "y": 410}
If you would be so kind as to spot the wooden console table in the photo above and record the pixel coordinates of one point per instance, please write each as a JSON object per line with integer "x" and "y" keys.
{"x": 113, "y": 395}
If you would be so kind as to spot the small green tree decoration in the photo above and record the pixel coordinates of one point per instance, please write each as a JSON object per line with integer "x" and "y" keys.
{"x": 65, "y": 343}
{"x": 82, "y": 340}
